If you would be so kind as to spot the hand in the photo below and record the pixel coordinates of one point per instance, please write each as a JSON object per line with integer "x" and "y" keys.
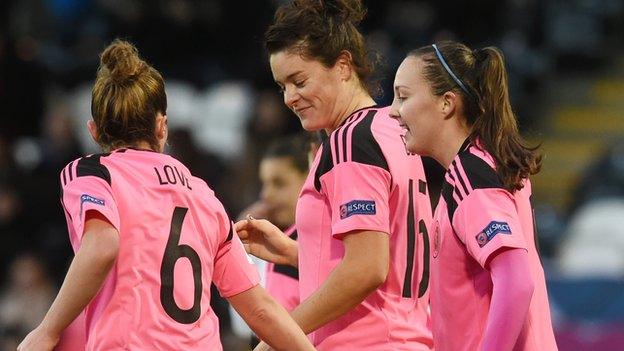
{"x": 262, "y": 346}
{"x": 266, "y": 241}
{"x": 38, "y": 340}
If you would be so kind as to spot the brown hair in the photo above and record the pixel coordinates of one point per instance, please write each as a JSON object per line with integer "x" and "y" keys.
{"x": 486, "y": 105}
{"x": 323, "y": 30}
{"x": 127, "y": 95}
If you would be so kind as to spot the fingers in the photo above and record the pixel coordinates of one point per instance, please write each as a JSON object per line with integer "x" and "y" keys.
{"x": 247, "y": 248}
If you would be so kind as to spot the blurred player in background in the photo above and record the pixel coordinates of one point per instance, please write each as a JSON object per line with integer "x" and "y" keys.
{"x": 488, "y": 289}
{"x": 283, "y": 170}
{"x": 363, "y": 246}
{"x": 149, "y": 237}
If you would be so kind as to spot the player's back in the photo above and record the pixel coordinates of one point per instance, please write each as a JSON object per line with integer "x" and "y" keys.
{"x": 171, "y": 229}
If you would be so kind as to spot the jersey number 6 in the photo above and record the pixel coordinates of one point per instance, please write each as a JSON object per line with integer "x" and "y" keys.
{"x": 173, "y": 252}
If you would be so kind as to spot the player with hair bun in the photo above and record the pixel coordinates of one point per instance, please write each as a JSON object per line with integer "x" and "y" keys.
{"x": 362, "y": 248}
{"x": 149, "y": 237}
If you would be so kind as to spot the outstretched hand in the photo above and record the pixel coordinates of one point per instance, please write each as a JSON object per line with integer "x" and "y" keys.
{"x": 266, "y": 241}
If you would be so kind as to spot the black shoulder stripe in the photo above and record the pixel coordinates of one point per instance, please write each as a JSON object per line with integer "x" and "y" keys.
{"x": 325, "y": 164}
{"x": 286, "y": 270}
{"x": 336, "y": 148}
{"x": 461, "y": 179}
{"x": 71, "y": 171}
{"x": 365, "y": 148}
{"x": 447, "y": 194}
{"x": 230, "y": 233}
{"x": 348, "y": 125}
{"x": 91, "y": 166}
{"x": 480, "y": 174}
{"x": 64, "y": 177}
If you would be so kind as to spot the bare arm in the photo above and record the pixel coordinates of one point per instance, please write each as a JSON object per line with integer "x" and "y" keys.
{"x": 363, "y": 268}
{"x": 86, "y": 274}
{"x": 269, "y": 320}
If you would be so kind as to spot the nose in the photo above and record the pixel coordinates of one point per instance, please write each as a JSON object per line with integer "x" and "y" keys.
{"x": 394, "y": 110}
{"x": 290, "y": 97}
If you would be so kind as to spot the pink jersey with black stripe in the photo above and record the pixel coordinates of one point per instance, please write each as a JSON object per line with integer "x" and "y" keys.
{"x": 476, "y": 217}
{"x": 175, "y": 239}
{"x": 282, "y": 281}
{"x": 362, "y": 178}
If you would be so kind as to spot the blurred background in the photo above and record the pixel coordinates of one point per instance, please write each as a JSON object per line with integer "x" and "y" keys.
{"x": 566, "y": 71}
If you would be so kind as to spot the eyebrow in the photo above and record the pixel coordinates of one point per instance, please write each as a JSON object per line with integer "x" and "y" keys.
{"x": 400, "y": 86}
{"x": 289, "y": 77}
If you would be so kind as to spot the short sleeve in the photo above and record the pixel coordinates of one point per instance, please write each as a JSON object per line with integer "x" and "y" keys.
{"x": 233, "y": 273}
{"x": 487, "y": 220}
{"x": 358, "y": 194}
{"x": 89, "y": 193}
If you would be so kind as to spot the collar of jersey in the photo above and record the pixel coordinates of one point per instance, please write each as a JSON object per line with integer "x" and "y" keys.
{"x": 354, "y": 112}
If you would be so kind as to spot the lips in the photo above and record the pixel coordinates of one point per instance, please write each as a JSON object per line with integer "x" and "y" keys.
{"x": 299, "y": 110}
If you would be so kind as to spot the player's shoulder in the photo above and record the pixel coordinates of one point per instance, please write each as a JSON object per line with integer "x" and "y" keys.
{"x": 90, "y": 165}
{"x": 353, "y": 141}
{"x": 476, "y": 167}
{"x": 472, "y": 169}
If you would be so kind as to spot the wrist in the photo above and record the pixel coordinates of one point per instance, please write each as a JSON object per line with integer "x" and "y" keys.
{"x": 49, "y": 330}
{"x": 293, "y": 253}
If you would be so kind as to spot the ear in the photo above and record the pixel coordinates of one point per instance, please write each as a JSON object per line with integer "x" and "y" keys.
{"x": 344, "y": 64}
{"x": 449, "y": 104}
{"x": 93, "y": 130}
{"x": 162, "y": 130}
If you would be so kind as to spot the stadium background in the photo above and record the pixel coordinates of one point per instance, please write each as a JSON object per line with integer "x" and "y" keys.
{"x": 566, "y": 67}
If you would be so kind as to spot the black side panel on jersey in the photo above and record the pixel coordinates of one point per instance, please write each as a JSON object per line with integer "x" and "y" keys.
{"x": 230, "y": 233}
{"x": 480, "y": 174}
{"x": 286, "y": 270}
{"x": 325, "y": 164}
{"x": 365, "y": 148}
{"x": 447, "y": 195}
{"x": 91, "y": 166}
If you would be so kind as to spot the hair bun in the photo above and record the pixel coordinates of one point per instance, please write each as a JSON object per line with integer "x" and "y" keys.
{"x": 122, "y": 61}
{"x": 343, "y": 10}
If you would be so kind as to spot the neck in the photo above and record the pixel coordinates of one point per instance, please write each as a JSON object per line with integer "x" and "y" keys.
{"x": 357, "y": 100}
{"x": 449, "y": 145}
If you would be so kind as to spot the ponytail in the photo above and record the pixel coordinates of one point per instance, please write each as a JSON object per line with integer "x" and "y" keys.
{"x": 497, "y": 127}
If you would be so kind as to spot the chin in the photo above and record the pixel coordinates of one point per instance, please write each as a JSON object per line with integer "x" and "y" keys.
{"x": 309, "y": 126}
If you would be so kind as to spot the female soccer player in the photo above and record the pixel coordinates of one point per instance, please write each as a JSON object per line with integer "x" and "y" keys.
{"x": 363, "y": 246}
{"x": 488, "y": 290}
{"x": 283, "y": 171}
{"x": 149, "y": 237}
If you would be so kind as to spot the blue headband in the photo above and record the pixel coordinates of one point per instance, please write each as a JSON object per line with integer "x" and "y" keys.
{"x": 450, "y": 72}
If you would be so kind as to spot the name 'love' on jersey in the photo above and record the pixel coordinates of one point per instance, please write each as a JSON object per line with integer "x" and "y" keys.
{"x": 175, "y": 239}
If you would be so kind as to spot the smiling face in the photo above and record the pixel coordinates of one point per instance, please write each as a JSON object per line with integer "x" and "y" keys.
{"x": 416, "y": 108}
{"x": 310, "y": 89}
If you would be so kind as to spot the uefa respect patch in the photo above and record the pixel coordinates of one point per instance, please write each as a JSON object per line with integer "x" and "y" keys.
{"x": 88, "y": 198}
{"x": 357, "y": 207}
{"x": 492, "y": 229}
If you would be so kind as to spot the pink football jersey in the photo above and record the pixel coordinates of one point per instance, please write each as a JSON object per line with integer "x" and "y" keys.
{"x": 363, "y": 179}
{"x": 476, "y": 217}
{"x": 174, "y": 240}
{"x": 282, "y": 281}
